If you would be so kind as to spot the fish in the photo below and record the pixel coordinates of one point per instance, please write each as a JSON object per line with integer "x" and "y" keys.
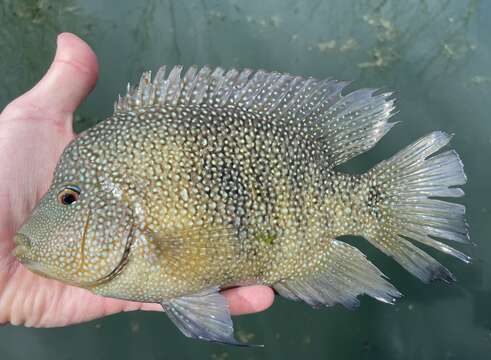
{"x": 208, "y": 179}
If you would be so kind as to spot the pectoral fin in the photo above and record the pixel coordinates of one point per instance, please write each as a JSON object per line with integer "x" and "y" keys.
{"x": 203, "y": 316}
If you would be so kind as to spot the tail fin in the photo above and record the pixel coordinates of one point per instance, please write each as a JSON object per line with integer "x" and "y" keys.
{"x": 406, "y": 185}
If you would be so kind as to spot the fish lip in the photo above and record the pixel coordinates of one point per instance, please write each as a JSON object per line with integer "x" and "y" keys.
{"x": 22, "y": 247}
{"x": 21, "y": 239}
{"x": 18, "y": 251}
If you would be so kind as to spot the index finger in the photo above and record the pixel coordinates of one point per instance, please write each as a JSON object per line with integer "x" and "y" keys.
{"x": 249, "y": 299}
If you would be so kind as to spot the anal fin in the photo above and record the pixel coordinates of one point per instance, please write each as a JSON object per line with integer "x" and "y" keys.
{"x": 348, "y": 273}
{"x": 203, "y": 316}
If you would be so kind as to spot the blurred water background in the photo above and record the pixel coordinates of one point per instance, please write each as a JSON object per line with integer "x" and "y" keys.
{"x": 436, "y": 55}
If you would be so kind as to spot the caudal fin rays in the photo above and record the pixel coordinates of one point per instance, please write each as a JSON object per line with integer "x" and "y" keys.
{"x": 411, "y": 180}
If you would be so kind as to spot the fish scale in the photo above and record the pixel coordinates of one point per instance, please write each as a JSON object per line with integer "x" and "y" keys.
{"x": 237, "y": 179}
{"x": 216, "y": 178}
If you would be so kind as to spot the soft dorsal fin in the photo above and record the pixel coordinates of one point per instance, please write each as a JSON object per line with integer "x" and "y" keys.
{"x": 345, "y": 125}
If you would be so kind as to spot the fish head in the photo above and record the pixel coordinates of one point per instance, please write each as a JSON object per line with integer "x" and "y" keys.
{"x": 82, "y": 229}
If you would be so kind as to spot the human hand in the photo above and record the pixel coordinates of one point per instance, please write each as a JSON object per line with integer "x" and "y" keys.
{"x": 34, "y": 130}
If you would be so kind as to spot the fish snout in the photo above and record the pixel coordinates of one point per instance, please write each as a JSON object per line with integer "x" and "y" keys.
{"x": 22, "y": 243}
{"x": 21, "y": 239}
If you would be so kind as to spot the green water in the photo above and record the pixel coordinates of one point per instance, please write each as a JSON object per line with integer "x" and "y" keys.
{"x": 435, "y": 54}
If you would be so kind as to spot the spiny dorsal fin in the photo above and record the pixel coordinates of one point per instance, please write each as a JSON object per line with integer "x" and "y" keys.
{"x": 345, "y": 125}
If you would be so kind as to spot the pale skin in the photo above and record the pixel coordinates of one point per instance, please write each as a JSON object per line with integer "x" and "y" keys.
{"x": 34, "y": 130}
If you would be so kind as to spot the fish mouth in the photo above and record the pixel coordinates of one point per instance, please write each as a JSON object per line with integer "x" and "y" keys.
{"x": 23, "y": 244}
{"x": 21, "y": 239}
{"x": 21, "y": 251}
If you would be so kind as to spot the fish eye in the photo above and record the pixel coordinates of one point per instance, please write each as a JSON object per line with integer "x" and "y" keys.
{"x": 69, "y": 195}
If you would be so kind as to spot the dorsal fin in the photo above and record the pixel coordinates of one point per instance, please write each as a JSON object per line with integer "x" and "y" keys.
{"x": 345, "y": 125}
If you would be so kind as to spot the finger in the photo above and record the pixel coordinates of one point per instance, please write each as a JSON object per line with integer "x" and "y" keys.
{"x": 70, "y": 78}
{"x": 249, "y": 299}
{"x": 241, "y": 300}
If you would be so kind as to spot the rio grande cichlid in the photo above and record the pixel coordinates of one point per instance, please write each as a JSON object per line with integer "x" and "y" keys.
{"x": 218, "y": 178}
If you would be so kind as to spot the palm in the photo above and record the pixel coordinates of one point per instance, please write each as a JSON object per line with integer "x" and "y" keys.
{"x": 34, "y": 130}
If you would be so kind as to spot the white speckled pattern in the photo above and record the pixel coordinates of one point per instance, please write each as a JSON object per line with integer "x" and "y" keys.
{"x": 222, "y": 178}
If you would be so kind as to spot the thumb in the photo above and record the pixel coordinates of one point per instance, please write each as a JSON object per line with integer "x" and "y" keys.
{"x": 70, "y": 78}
